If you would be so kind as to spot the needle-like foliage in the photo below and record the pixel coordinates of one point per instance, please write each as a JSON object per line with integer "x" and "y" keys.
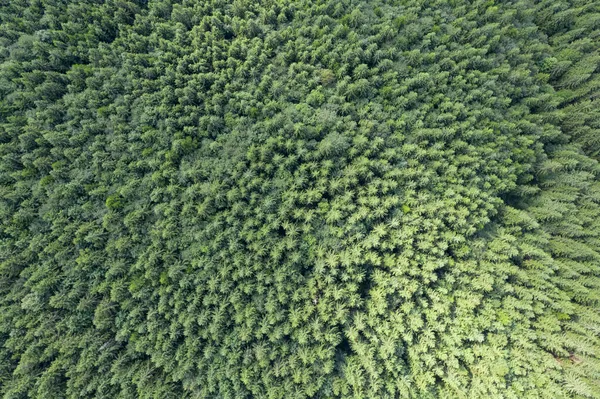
{"x": 299, "y": 199}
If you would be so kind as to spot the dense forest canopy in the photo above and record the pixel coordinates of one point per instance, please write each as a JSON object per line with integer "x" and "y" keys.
{"x": 299, "y": 199}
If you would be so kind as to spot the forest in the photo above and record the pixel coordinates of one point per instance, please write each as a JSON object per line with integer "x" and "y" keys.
{"x": 269, "y": 199}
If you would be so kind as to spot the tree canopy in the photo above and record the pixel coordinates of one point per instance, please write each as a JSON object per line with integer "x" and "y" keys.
{"x": 299, "y": 199}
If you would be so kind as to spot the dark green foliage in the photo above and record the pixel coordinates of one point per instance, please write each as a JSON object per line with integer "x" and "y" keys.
{"x": 573, "y": 30}
{"x": 299, "y": 199}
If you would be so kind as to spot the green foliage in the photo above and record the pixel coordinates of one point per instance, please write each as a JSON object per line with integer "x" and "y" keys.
{"x": 299, "y": 199}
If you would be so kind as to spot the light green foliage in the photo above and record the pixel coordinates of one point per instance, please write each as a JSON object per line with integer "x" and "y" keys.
{"x": 299, "y": 199}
